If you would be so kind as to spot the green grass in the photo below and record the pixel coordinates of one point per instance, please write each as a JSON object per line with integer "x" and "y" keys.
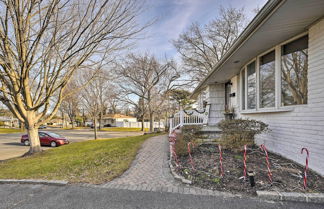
{"x": 95, "y": 161}
{"x": 76, "y": 128}
{"x": 9, "y": 130}
{"x": 122, "y": 129}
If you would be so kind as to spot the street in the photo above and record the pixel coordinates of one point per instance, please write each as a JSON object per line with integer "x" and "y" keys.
{"x": 10, "y": 145}
{"x": 75, "y": 196}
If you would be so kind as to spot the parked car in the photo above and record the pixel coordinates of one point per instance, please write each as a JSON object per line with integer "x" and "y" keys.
{"x": 107, "y": 125}
{"x": 47, "y": 138}
{"x": 42, "y": 127}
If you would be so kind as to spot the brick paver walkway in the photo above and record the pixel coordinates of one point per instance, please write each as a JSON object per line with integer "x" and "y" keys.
{"x": 150, "y": 172}
{"x": 150, "y": 168}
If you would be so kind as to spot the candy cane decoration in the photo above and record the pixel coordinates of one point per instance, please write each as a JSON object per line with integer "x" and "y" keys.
{"x": 172, "y": 140}
{"x": 306, "y": 167}
{"x": 190, "y": 157}
{"x": 221, "y": 160}
{"x": 244, "y": 162}
{"x": 263, "y": 148}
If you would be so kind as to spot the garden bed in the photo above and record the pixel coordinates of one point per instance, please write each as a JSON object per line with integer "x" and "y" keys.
{"x": 287, "y": 175}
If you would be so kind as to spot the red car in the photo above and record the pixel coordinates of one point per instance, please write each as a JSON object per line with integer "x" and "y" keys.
{"x": 46, "y": 138}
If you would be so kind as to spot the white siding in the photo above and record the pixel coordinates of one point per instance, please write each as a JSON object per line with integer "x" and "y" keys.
{"x": 304, "y": 125}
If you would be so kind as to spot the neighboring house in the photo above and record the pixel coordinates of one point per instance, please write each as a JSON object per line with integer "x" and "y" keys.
{"x": 8, "y": 121}
{"x": 274, "y": 72}
{"x": 116, "y": 119}
{"x": 57, "y": 121}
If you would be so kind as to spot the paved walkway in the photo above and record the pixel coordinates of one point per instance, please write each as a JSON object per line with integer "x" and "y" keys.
{"x": 150, "y": 172}
{"x": 150, "y": 168}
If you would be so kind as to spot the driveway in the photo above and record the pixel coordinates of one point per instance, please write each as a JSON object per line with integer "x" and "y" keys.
{"x": 10, "y": 145}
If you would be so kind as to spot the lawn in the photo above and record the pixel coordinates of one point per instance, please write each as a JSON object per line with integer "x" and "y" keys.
{"x": 9, "y": 130}
{"x": 122, "y": 129}
{"x": 95, "y": 161}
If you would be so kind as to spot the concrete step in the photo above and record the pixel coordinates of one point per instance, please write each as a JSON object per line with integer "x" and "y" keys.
{"x": 210, "y": 133}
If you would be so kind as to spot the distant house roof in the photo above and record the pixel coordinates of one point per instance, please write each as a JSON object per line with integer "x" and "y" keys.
{"x": 114, "y": 116}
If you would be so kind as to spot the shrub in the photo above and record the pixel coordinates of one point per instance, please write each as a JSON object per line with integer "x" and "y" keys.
{"x": 181, "y": 145}
{"x": 190, "y": 133}
{"x": 238, "y": 132}
{"x": 187, "y": 134}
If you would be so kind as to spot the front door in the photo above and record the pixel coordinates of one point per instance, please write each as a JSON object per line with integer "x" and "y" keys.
{"x": 228, "y": 104}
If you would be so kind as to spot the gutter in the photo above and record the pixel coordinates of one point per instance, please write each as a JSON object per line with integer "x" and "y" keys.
{"x": 268, "y": 9}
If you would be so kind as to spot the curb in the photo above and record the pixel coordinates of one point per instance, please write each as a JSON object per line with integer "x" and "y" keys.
{"x": 33, "y": 181}
{"x": 291, "y": 196}
{"x": 177, "y": 176}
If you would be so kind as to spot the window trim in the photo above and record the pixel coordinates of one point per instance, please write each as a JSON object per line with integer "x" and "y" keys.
{"x": 258, "y": 67}
{"x": 278, "y": 91}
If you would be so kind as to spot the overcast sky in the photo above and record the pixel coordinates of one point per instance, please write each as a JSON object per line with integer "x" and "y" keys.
{"x": 174, "y": 16}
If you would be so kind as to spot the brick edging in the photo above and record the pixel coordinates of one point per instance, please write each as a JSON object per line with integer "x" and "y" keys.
{"x": 33, "y": 181}
{"x": 291, "y": 196}
{"x": 267, "y": 195}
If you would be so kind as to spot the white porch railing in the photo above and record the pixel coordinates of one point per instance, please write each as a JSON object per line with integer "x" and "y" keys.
{"x": 189, "y": 117}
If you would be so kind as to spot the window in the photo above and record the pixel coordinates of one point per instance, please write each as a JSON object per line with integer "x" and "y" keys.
{"x": 267, "y": 80}
{"x": 243, "y": 89}
{"x": 277, "y": 78}
{"x": 251, "y": 86}
{"x": 294, "y": 69}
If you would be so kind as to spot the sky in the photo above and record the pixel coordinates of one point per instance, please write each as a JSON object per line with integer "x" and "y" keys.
{"x": 172, "y": 17}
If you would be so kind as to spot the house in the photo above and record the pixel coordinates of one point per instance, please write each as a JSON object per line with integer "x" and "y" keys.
{"x": 117, "y": 119}
{"x": 9, "y": 121}
{"x": 274, "y": 72}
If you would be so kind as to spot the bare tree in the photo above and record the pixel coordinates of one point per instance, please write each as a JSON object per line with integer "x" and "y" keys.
{"x": 70, "y": 105}
{"x": 201, "y": 48}
{"x": 94, "y": 97}
{"x": 44, "y": 42}
{"x": 145, "y": 78}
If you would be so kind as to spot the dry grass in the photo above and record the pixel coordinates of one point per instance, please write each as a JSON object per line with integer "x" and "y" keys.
{"x": 95, "y": 161}
{"x": 122, "y": 129}
{"x": 9, "y": 130}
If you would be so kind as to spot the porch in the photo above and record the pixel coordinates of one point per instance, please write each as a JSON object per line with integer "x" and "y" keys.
{"x": 211, "y": 107}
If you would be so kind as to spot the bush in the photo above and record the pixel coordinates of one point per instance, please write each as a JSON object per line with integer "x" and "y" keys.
{"x": 187, "y": 134}
{"x": 181, "y": 145}
{"x": 238, "y": 132}
{"x": 190, "y": 133}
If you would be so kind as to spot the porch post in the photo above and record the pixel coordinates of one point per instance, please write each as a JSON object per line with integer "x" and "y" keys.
{"x": 216, "y": 99}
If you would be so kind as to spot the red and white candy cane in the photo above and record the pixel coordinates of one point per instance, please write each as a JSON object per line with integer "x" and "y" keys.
{"x": 190, "y": 157}
{"x": 263, "y": 148}
{"x": 172, "y": 140}
{"x": 221, "y": 160}
{"x": 306, "y": 167}
{"x": 244, "y": 162}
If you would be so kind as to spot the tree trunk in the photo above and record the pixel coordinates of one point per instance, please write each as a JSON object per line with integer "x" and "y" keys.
{"x": 34, "y": 140}
{"x": 72, "y": 122}
{"x": 95, "y": 127}
{"x": 100, "y": 120}
{"x": 32, "y": 132}
{"x": 142, "y": 123}
{"x": 151, "y": 121}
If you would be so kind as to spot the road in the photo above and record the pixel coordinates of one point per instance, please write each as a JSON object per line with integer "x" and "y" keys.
{"x": 10, "y": 145}
{"x": 75, "y": 196}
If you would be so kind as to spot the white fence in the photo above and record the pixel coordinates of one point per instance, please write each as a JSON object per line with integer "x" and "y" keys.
{"x": 190, "y": 117}
{"x": 139, "y": 124}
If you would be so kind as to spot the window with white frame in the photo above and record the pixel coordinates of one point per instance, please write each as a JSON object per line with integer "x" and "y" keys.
{"x": 285, "y": 67}
{"x": 294, "y": 70}
{"x": 267, "y": 80}
{"x": 251, "y": 86}
{"x": 243, "y": 89}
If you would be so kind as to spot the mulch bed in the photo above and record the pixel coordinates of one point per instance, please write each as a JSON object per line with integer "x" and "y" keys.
{"x": 287, "y": 175}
